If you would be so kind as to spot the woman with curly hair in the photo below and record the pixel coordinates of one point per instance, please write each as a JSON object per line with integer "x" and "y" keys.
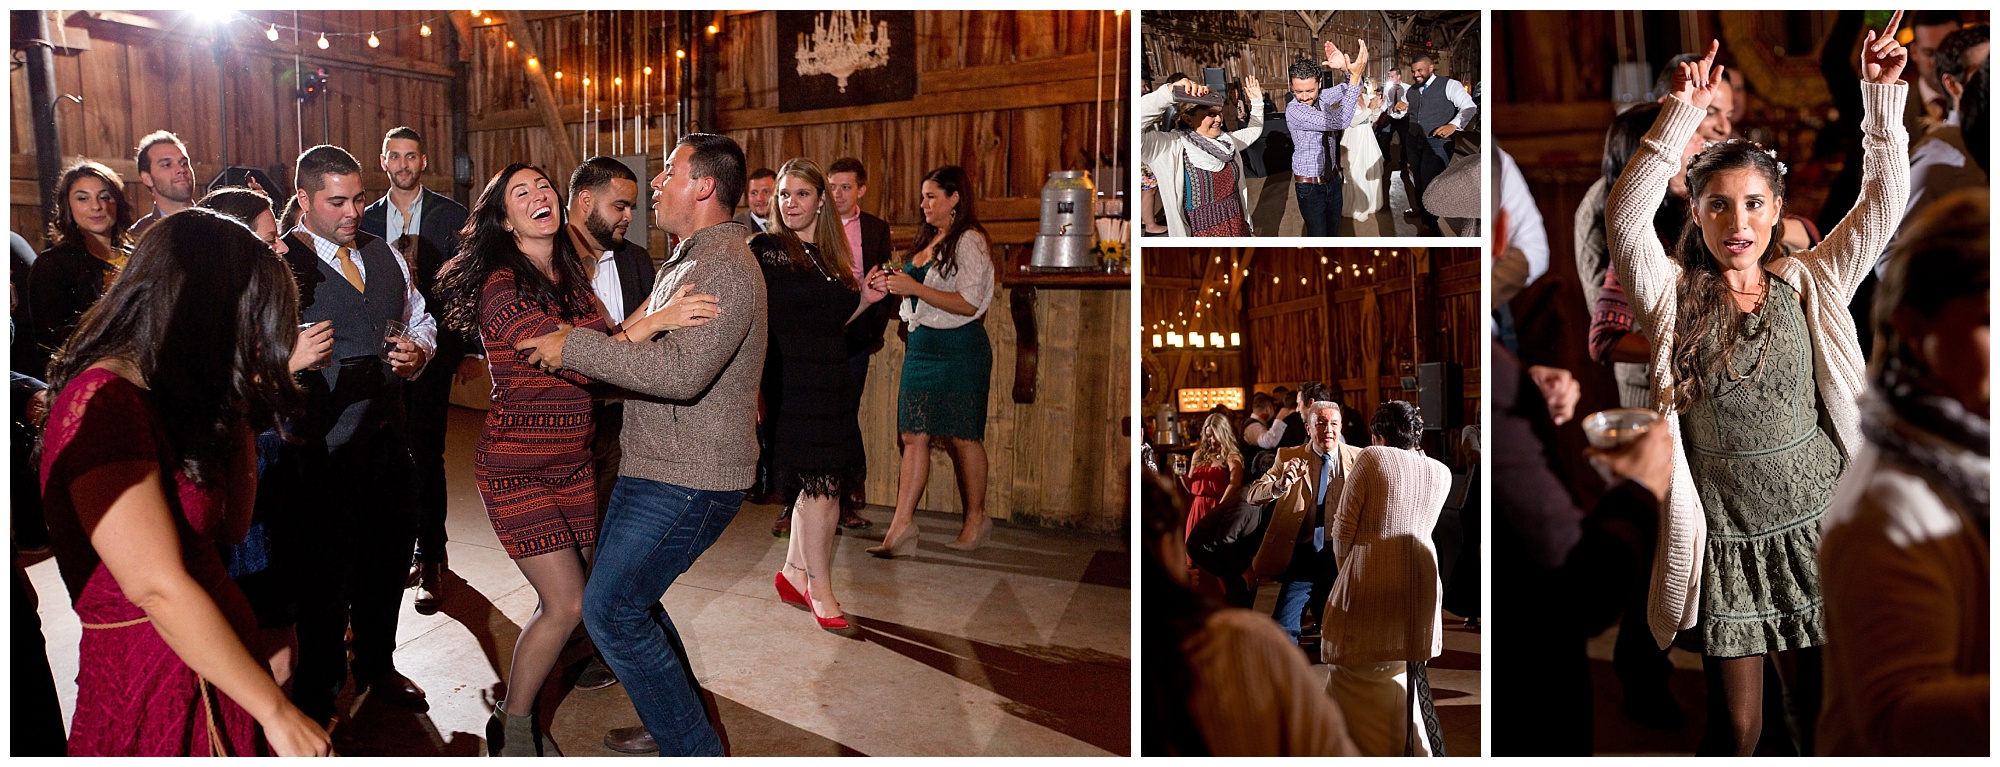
{"x": 1756, "y": 365}
{"x": 517, "y": 275}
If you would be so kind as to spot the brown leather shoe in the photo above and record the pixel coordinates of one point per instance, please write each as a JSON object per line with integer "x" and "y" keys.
{"x": 630, "y": 740}
{"x": 783, "y": 528}
{"x": 430, "y": 588}
{"x": 853, "y": 521}
{"x": 395, "y": 688}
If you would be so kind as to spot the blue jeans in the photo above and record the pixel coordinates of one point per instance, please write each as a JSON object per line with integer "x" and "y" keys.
{"x": 1319, "y": 205}
{"x": 1292, "y": 598}
{"x": 653, "y": 531}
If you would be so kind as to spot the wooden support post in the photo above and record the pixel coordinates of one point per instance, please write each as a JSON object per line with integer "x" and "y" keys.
{"x": 1027, "y": 343}
{"x": 545, "y": 97}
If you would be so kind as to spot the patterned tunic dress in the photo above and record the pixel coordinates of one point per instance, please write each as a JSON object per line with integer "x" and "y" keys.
{"x": 533, "y": 464}
{"x": 1765, "y": 468}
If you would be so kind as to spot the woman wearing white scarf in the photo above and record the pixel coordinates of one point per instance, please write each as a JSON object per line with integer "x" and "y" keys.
{"x": 1200, "y": 157}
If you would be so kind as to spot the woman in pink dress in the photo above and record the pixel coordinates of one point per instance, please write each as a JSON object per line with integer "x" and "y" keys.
{"x": 147, "y": 463}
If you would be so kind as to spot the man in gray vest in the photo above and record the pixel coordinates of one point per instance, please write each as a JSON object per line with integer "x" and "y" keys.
{"x": 352, "y": 479}
{"x": 1436, "y": 108}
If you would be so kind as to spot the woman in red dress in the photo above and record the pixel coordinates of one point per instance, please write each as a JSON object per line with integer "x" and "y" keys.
{"x": 1214, "y": 478}
{"x": 147, "y": 464}
{"x": 516, "y": 277}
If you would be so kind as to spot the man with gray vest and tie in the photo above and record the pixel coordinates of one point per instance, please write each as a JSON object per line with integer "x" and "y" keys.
{"x": 352, "y": 480}
{"x": 1436, "y": 108}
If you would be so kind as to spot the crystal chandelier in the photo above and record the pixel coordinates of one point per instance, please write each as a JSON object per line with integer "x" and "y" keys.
{"x": 843, "y": 47}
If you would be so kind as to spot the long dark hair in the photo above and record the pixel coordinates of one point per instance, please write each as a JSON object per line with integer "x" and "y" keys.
{"x": 239, "y": 202}
{"x": 944, "y": 260}
{"x": 1703, "y": 300}
{"x": 1173, "y": 613}
{"x": 829, "y": 236}
{"x": 208, "y": 314}
{"x": 485, "y": 246}
{"x": 64, "y": 230}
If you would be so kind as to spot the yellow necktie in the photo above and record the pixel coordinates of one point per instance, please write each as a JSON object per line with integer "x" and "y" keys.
{"x": 347, "y": 267}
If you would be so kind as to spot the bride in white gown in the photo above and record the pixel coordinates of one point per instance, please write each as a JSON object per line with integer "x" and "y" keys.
{"x": 1361, "y": 166}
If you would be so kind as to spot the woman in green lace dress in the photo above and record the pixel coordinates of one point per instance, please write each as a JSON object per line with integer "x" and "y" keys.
{"x": 942, "y": 293}
{"x": 1756, "y": 361}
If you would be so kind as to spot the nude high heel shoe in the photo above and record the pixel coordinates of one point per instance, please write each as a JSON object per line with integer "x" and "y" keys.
{"x": 978, "y": 540}
{"x": 906, "y": 547}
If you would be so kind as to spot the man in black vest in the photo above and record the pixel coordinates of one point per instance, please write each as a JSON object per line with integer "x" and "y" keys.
{"x": 353, "y": 495}
{"x": 1436, "y": 107}
{"x": 602, "y": 195}
{"x": 423, "y": 226}
{"x": 868, "y": 240}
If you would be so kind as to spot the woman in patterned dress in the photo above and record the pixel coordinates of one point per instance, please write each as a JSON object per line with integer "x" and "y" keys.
{"x": 1198, "y": 164}
{"x": 147, "y": 464}
{"x": 518, "y": 276}
{"x": 1756, "y": 362}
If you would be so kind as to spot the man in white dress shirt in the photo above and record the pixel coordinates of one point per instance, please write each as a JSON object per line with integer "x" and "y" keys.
{"x": 1436, "y": 107}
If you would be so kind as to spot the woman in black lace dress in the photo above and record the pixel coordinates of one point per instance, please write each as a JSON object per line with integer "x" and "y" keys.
{"x": 816, "y": 453}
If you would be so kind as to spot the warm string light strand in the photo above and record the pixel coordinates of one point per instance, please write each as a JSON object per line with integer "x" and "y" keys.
{"x": 324, "y": 38}
{"x": 1164, "y": 331}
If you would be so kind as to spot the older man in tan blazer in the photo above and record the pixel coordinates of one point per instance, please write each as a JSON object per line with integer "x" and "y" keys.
{"x": 1306, "y": 486}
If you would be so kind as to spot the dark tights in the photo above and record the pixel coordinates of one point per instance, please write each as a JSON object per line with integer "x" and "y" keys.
{"x": 1737, "y": 706}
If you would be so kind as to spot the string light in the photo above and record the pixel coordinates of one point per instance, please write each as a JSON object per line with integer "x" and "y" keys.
{"x": 534, "y": 62}
{"x": 424, "y": 30}
{"x": 510, "y": 45}
{"x": 617, "y": 81}
{"x": 586, "y": 82}
{"x": 681, "y": 54}
{"x": 712, "y": 29}
{"x": 323, "y": 45}
{"x": 475, "y": 13}
{"x": 558, "y": 75}
{"x": 649, "y": 71}
{"x": 272, "y": 33}
{"x": 487, "y": 19}
{"x": 376, "y": 42}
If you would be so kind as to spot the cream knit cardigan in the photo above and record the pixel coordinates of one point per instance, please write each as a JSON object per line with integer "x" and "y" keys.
{"x": 1825, "y": 277}
{"x": 1387, "y": 604}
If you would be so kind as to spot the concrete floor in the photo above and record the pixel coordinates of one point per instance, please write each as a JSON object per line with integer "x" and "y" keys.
{"x": 1454, "y": 678}
{"x": 1020, "y": 648}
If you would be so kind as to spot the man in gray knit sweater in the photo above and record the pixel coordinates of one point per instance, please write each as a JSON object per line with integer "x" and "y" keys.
{"x": 690, "y": 447}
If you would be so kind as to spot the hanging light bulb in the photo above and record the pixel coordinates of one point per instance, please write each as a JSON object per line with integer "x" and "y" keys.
{"x": 680, "y": 54}
{"x": 323, "y": 45}
{"x": 1329, "y": 276}
{"x": 1371, "y": 270}
{"x": 712, "y": 29}
{"x": 558, "y": 75}
{"x": 376, "y": 42}
{"x": 487, "y": 19}
{"x": 475, "y": 13}
{"x": 1218, "y": 259}
{"x": 1302, "y": 280}
{"x": 1274, "y": 280}
{"x": 1336, "y": 268}
{"x": 424, "y": 30}
{"x": 534, "y": 62}
{"x": 272, "y": 33}
{"x": 649, "y": 71}
{"x": 1322, "y": 260}
{"x": 617, "y": 81}
{"x": 510, "y": 45}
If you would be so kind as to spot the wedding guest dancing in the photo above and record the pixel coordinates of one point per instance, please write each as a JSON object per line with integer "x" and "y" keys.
{"x": 1904, "y": 554}
{"x": 147, "y": 465}
{"x": 1436, "y": 108}
{"x": 816, "y": 443}
{"x": 1756, "y": 363}
{"x": 689, "y": 445}
{"x": 943, "y": 291}
{"x": 1384, "y": 619}
{"x": 1317, "y": 123}
{"x": 1199, "y": 167}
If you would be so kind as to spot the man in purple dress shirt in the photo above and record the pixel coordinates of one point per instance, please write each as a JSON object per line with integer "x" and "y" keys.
{"x": 1315, "y": 122}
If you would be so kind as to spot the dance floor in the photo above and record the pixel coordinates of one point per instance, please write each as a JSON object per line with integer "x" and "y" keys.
{"x": 1020, "y": 648}
{"x": 1454, "y": 678}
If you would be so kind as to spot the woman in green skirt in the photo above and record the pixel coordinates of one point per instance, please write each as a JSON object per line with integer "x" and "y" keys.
{"x": 944, "y": 285}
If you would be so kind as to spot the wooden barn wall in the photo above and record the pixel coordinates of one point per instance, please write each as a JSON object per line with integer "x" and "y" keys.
{"x": 1009, "y": 96}
{"x": 1301, "y": 320}
{"x": 144, "y": 72}
{"x": 1264, "y": 43}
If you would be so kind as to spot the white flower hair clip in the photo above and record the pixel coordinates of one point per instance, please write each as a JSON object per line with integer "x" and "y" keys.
{"x": 1783, "y": 169}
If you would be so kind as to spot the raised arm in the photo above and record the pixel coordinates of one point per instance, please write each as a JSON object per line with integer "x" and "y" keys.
{"x": 1642, "y": 264}
{"x": 1268, "y": 487}
{"x": 1254, "y": 91}
{"x": 1851, "y": 249}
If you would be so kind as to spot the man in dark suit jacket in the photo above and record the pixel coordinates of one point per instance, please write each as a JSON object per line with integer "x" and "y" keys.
{"x": 351, "y": 480}
{"x": 423, "y": 226}
{"x": 763, "y": 189}
{"x": 602, "y": 194}
{"x": 868, "y": 239}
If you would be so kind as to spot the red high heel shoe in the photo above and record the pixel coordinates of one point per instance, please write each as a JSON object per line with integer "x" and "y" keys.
{"x": 835, "y": 625}
{"x": 790, "y": 595}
